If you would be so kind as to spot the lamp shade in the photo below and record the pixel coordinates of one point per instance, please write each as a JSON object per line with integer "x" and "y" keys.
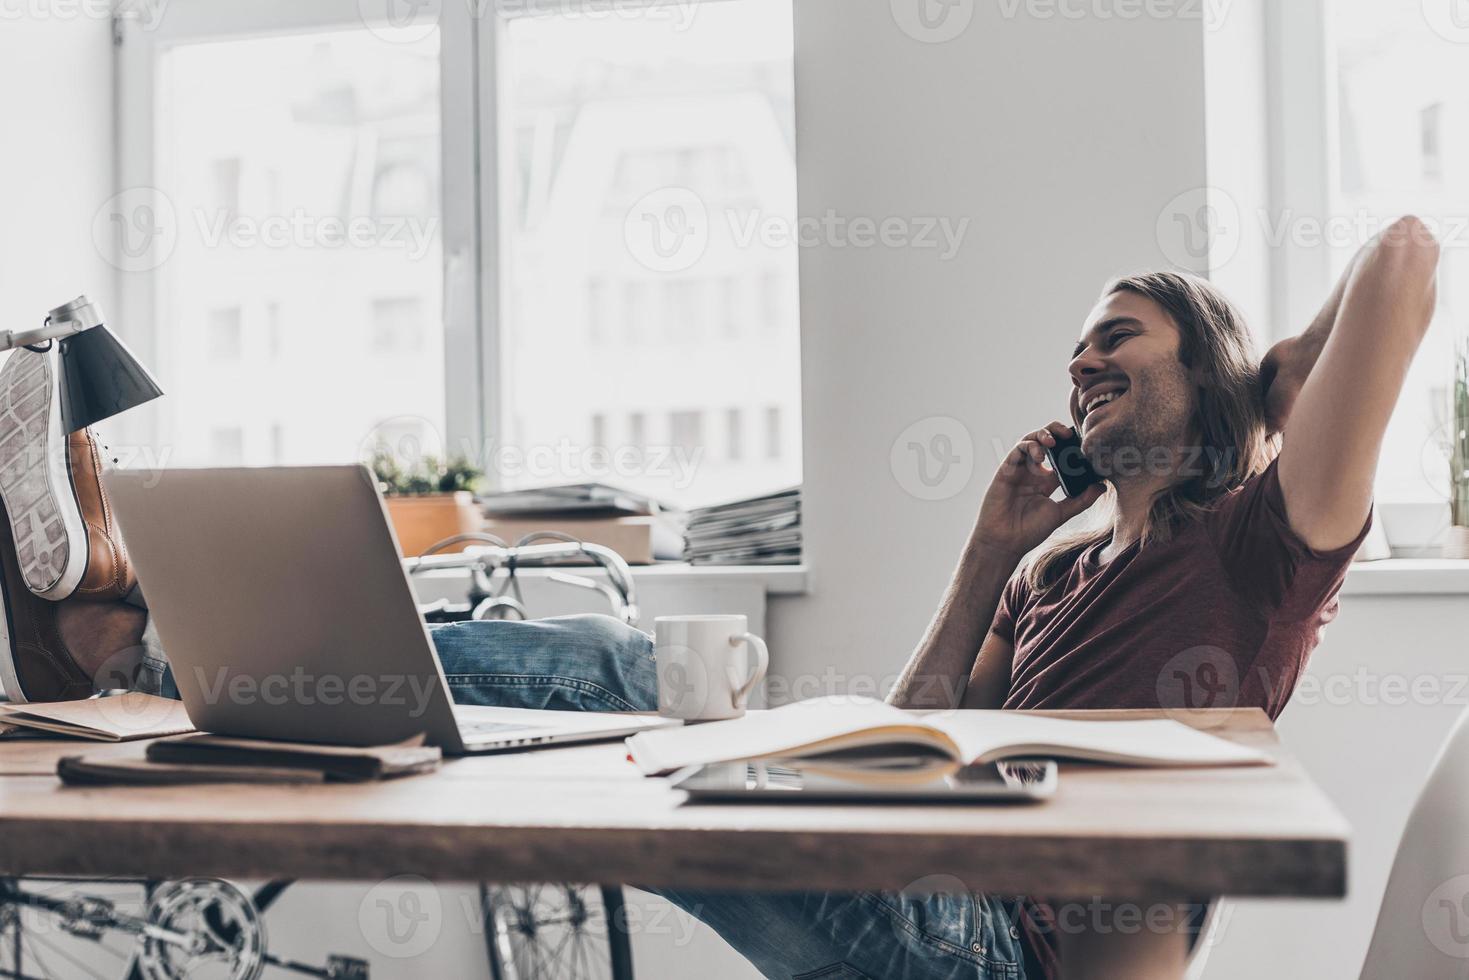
{"x": 100, "y": 378}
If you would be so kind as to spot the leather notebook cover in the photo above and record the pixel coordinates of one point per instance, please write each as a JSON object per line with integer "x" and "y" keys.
{"x": 335, "y": 762}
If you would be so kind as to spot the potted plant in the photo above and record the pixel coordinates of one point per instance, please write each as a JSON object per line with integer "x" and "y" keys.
{"x": 428, "y": 500}
{"x": 1457, "y": 545}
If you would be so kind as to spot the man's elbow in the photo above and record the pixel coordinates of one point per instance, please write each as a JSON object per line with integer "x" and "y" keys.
{"x": 1404, "y": 268}
{"x": 1411, "y": 248}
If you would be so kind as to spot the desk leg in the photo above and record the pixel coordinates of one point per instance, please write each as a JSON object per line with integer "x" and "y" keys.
{"x": 1124, "y": 954}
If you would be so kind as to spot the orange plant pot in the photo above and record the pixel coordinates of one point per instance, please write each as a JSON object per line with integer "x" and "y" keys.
{"x": 423, "y": 521}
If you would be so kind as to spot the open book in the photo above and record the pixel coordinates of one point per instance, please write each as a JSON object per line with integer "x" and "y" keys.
{"x": 835, "y": 724}
{"x": 121, "y": 718}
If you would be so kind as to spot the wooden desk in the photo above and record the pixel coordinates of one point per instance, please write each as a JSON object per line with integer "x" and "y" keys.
{"x": 584, "y": 814}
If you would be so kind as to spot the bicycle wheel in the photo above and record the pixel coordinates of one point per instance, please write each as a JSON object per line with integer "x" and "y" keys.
{"x": 61, "y": 927}
{"x": 556, "y": 932}
{"x": 192, "y": 929}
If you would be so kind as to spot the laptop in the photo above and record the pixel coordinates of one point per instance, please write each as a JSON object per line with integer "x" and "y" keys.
{"x": 281, "y": 598}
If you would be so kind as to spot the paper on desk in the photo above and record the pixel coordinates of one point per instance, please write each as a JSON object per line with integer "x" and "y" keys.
{"x": 121, "y": 718}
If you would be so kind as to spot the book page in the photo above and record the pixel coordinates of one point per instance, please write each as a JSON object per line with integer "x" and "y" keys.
{"x": 986, "y": 736}
{"x": 122, "y": 717}
{"x": 817, "y": 725}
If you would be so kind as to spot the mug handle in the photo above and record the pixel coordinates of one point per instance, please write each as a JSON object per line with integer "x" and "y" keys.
{"x": 762, "y": 664}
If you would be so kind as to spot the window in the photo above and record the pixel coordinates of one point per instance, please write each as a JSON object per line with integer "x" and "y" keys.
{"x": 397, "y": 324}
{"x": 1373, "y": 122}
{"x": 686, "y": 432}
{"x": 635, "y": 312}
{"x": 1430, "y": 121}
{"x": 483, "y": 224}
{"x": 734, "y": 435}
{"x": 1402, "y": 132}
{"x": 652, "y": 145}
{"x": 772, "y": 433}
{"x": 308, "y": 188}
{"x": 273, "y": 329}
{"x": 730, "y": 314}
{"x": 226, "y": 334}
{"x": 226, "y": 446}
{"x": 598, "y": 313}
{"x": 226, "y": 190}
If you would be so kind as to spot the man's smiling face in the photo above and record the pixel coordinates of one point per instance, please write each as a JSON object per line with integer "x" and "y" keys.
{"x": 1129, "y": 388}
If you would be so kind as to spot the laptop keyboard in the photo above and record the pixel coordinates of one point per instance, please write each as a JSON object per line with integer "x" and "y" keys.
{"x": 481, "y": 729}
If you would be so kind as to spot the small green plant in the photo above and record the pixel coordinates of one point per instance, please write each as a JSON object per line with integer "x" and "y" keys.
{"x": 424, "y": 475}
{"x": 1459, "y": 440}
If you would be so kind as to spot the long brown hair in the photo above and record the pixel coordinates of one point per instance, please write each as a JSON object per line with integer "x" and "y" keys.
{"x": 1217, "y": 351}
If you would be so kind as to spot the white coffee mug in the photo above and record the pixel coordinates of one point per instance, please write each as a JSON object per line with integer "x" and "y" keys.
{"x": 707, "y": 666}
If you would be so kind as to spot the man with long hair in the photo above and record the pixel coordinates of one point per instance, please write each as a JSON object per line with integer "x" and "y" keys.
{"x": 1213, "y": 572}
{"x": 1218, "y": 560}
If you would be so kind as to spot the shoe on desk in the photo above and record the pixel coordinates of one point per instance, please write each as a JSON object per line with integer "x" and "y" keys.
{"x": 35, "y": 663}
{"x": 61, "y": 525}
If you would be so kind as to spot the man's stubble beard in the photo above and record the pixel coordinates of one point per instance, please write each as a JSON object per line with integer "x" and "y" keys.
{"x": 1160, "y": 416}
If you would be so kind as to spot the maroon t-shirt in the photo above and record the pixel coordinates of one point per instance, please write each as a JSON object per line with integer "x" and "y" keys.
{"x": 1225, "y": 614}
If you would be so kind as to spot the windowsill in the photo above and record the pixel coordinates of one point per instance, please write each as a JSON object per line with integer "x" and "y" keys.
{"x": 1391, "y": 576}
{"x": 776, "y": 579}
{"x": 1408, "y": 576}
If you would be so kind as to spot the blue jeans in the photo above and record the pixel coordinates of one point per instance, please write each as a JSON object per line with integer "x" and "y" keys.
{"x": 596, "y": 663}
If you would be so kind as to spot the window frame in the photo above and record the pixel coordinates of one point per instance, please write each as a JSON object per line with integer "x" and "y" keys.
{"x": 1301, "y": 132}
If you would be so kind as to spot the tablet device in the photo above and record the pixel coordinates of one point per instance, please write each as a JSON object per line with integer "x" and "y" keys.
{"x": 906, "y": 780}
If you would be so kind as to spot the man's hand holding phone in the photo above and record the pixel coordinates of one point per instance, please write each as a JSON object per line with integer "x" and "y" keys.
{"x": 1018, "y": 512}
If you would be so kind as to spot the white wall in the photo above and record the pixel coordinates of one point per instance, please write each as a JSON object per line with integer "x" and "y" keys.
{"x": 1062, "y": 140}
{"x": 56, "y": 170}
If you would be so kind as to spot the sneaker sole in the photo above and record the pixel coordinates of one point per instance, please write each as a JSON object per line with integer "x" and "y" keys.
{"x": 35, "y": 480}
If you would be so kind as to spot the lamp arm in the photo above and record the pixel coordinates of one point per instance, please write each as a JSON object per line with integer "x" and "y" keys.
{"x": 73, "y": 318}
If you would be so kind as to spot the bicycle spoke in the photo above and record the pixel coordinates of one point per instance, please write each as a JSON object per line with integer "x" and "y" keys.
{"x": 39, "y": 941}
{"x": 45, "y": 970}
{"x": 560, "y": 947}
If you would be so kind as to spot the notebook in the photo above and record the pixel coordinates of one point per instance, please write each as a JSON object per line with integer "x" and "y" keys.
{"x": 84, "y": 770}
{"x": 120, "y": 718}
{"x": 836, "y": 724}
{"x": 335, "y": 762}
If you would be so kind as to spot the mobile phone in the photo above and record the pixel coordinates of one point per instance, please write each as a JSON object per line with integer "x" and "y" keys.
{"x": 1071, "y": 465}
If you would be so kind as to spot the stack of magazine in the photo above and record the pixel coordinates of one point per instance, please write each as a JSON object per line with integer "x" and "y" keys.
{"x": 640, "y": 529}
{"x": 762, "y": 530}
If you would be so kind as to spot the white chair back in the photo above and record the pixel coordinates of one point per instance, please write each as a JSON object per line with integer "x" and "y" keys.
{"x": 1198, "y": 957}
{"x": 1423, "y": 925}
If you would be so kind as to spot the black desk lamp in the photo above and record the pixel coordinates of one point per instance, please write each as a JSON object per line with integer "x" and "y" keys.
{"x": 100, "y": 377}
